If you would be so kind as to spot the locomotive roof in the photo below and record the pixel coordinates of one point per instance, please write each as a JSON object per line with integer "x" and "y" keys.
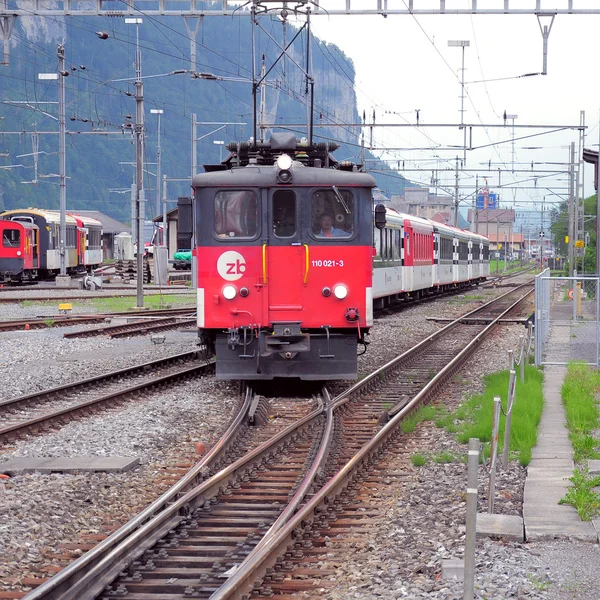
{"x": 266, "y": 176}
{"x": 23, "y": 224}
{"x": 51, "y": 216}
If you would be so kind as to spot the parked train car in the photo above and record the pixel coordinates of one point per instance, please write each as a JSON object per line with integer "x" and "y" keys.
{"x": 37, "y": 233}
{"x": 292, "y": 256}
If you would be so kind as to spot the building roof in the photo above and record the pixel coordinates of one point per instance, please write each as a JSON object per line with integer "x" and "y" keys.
{"x": 109, "y": 225}
{"x": 171, "y": 215}
{"x": 514, "y": 238}
{"x": 489, "y": 215}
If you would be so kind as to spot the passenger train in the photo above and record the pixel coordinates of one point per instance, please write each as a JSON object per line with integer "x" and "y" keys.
{"x": 292, "y": 257}
{"x": 30, "y": 248}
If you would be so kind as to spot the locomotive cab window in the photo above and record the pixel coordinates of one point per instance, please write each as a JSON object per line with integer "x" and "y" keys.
{"x": 332, "y": 213}
{"x": 11, "y": 238}
{"x": 236, "y": 214}
{"x": 284, "y": 213}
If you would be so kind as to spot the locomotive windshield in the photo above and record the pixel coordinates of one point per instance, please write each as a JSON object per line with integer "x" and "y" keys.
{"x": 284, "y": 213}
{"x": 236, "y": 214}
{"x": 332, "y": 213}
{"x": 11, "y": 238}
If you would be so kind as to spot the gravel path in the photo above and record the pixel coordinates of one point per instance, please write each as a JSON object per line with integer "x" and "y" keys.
{"x": 50, "y": 519}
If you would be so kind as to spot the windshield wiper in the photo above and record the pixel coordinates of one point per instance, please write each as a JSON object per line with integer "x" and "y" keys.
{"x": 340, "y": 199}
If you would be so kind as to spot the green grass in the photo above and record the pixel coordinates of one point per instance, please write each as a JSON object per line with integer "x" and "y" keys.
{"x": 418, "y": 460}
{"x": 424, "y": 413}
{"x": 112, "y": 304}
{"x": 444, "y": 458}
{"x": 581, "y": 495}
{"x": 473, "y": 419}
{"x": 579, "y": 398}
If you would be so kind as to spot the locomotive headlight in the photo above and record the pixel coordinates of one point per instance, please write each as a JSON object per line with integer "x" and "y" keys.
{"x": 340, "y": 291}
{"x": 284, "y": 162}
{"x": 18, "y": 253}
{"x": 229, "y": 292}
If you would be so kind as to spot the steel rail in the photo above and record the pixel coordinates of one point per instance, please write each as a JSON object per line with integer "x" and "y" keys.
{"x": 112, "y": 555}
{"x": 150, "y": 327}
{"x": 256, "y": 564}
{"x": 38, "y": 396}
{"x": 12, "y": 431}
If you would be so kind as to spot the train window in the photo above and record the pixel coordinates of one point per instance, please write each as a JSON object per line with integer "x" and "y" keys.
{"x": 332, "y": 213}
{"x": 11, "y": 238}
{"x": 284, "y": 213}
{"x": 236, "y": 214}
{"x": 396, "y": 245}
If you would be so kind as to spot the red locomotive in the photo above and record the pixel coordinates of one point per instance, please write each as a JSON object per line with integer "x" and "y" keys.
{"x": 30, "y": 246}
{"x": 284, "y": 250}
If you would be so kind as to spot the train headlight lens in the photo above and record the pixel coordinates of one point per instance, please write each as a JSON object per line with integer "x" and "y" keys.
{"x": 284, "y": 162}
{"x": 326, "y": 292}
{"x": 340, "y": 291}
{"x": 244, "y": 292}
{"x": 18, "y": 253}
{"x": 229, "y": 292}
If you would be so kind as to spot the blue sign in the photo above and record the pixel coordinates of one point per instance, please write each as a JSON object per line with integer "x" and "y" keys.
{"x": 487, "y": 200}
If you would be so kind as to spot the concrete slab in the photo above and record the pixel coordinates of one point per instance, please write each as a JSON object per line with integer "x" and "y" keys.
{"x": 453, "y": 568}
{"x": 113, "y": 464}
{"x": 508, "y": 527}
{"x": 543, "y": 528}
{"x": 594, "y": 467}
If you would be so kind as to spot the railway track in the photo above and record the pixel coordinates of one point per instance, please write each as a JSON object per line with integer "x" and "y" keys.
{"x": 218, "y": 537}
{"x": 71, "y": 320}
{"x": 36, "y": 412}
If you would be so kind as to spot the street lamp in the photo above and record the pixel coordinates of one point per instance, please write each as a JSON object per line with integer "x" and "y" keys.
{"x": 220, "y": 143}
{"x": 158, "y": 111}
{"x": 462, "y": 44}
{"x": 62, "y": 157}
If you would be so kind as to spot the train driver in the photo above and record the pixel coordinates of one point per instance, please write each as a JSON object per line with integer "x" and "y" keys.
{"x": 327, "y": 228}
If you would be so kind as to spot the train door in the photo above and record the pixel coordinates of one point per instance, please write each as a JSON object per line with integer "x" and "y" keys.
{"x": 286, "y": 255}
{"x": 35, "y": 234}
{"x": 409, "y": 253}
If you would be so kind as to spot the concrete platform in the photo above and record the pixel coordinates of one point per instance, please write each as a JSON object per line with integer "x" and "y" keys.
{"x": 552, "y": 458}
{"x": 453, "y": 568}
{"x": 115, "y": 464}
{"x": 508, "y": 527}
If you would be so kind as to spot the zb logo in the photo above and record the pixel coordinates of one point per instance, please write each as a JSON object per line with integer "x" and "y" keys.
{"x": 231, "y": 265}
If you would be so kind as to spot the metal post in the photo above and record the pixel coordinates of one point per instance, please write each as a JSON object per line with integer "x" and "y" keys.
{"x": 471, "y": 524}
{"x": 63, "y": 161}
{"x": 158, "y": 162}
{"x": 509, "y": 406}
{"x": 139, "y": 167}
{"x": 164, "y": 212}
{"x": 194, "y": 149}
{"x": 456, "y": 195}
{"x": 511, "y": 359}
{"x": 522, "y": 361}
{"x": 493, "y": 455}
{"x": 571, "y": 210}
{"x": 573, "y": 282}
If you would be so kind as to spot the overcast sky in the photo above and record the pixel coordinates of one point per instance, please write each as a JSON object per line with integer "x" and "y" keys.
{"x": 404, "y": 63}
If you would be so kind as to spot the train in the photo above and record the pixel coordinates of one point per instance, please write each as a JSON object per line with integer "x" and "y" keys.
{"x": 30, "y": 248}
{"x": 292, "y": 258}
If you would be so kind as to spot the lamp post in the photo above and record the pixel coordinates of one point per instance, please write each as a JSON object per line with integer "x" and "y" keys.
{"x": 220, "y": 143}
{"x": 158, "y": 112}
{"x": 60, "y": 76}
{"x": 462, "y": 44}
{"x": 140, "y": 199}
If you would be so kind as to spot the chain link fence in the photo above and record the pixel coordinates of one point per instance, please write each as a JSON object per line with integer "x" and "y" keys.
{"x": 567, "y": 319}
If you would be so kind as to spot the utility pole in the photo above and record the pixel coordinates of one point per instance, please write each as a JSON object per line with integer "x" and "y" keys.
{"x": 194, "y": 150}
{"x": 158, "y": 112}
{"x": 63, "y": 161}
{"x": 139, "y": 162}
{"x": 456, "y": 195}
{"x": 462, "y": 44}
{"x": 571, "y": 208}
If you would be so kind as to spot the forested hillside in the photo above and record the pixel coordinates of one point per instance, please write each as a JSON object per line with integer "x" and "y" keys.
{"x": 100, "y": 104}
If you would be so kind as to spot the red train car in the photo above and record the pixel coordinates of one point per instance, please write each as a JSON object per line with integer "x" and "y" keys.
{"x": 284, "y": 247}
{"x": 19, "y": 251}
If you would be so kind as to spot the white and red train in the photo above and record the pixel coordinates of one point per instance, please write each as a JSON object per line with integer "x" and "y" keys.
{"x": 30, "y": 247}
{"x": 292, "y": 257}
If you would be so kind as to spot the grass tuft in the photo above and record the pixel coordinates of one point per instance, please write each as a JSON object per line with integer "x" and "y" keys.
{"x": 585, "y": 501}
{"x": 418, "y": 460}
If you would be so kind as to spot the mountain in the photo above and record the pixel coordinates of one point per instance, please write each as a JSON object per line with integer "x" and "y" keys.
{"x": 101, "y": 107}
